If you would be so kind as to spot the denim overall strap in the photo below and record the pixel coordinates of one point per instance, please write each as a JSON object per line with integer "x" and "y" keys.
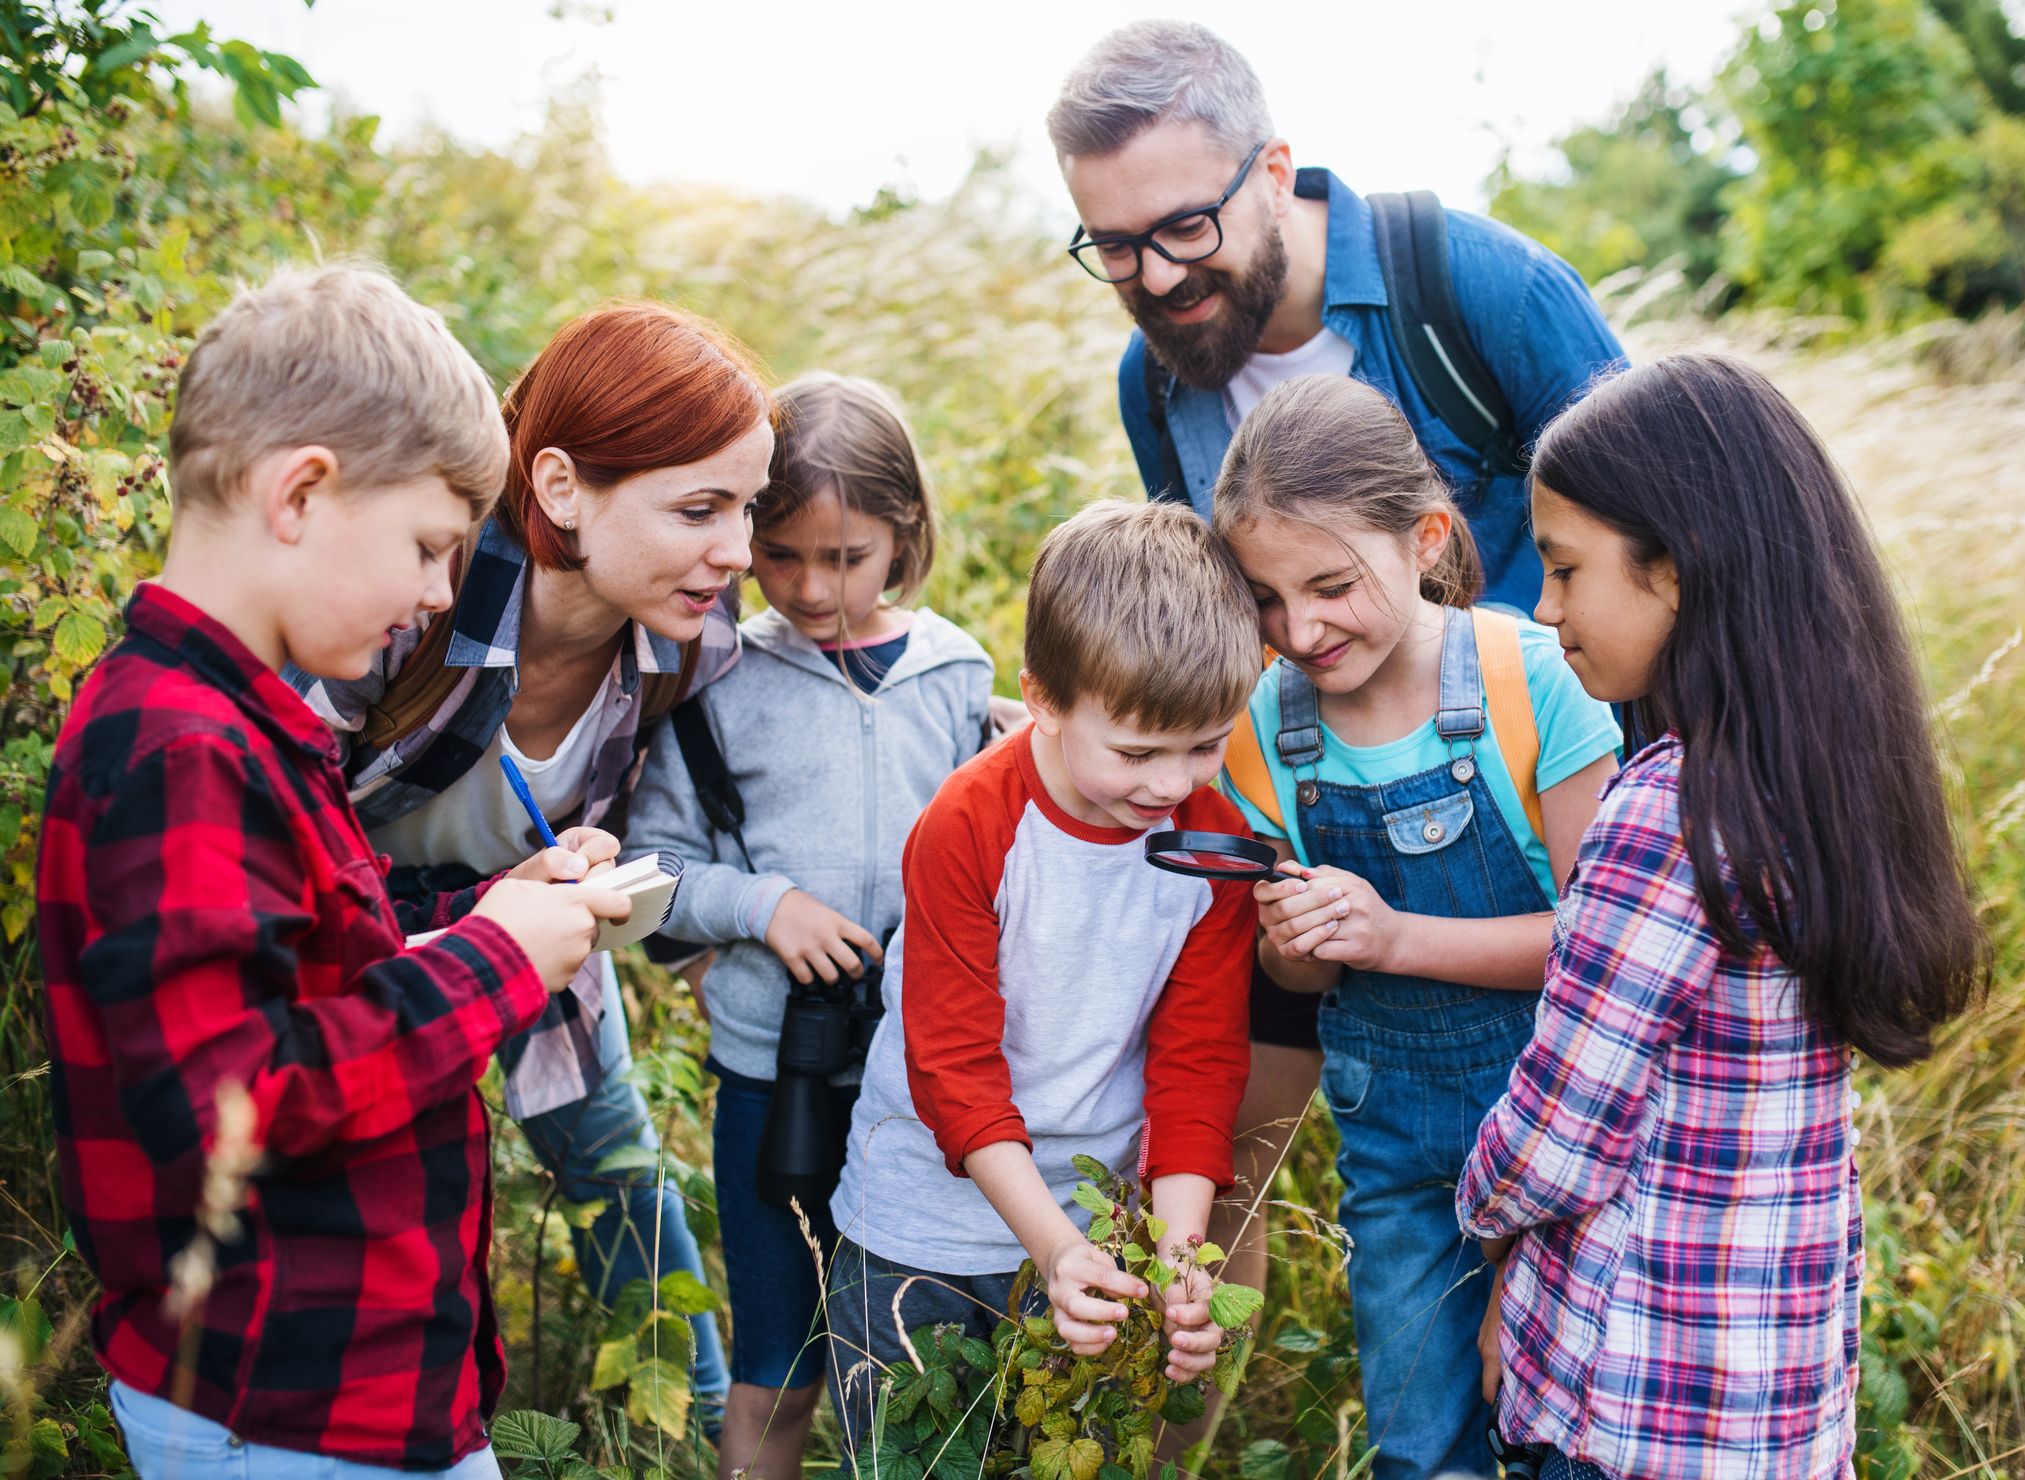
{"x": 1300, "y": 738}
{"x": 1410, "y": 1067}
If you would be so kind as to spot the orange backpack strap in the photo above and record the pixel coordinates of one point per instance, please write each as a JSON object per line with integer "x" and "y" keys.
{"x": 1511, "y": 707}
{"x": 1245, "y": 764}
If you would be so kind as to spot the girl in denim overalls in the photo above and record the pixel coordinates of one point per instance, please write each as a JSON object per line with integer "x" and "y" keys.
{"x": 1421, "y": 866}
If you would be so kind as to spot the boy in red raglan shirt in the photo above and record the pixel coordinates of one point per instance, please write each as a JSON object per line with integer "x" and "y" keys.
{"x": 214, "y": 927}
{"x": 1050, "y": 992}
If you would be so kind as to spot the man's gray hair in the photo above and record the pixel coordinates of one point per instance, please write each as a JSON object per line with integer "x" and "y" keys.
{"x": 1152, "y": 72}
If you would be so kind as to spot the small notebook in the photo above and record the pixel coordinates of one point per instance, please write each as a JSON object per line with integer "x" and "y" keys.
{"x": 651, "y": 881}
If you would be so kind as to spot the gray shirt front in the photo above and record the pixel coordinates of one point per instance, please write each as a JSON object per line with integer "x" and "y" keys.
{"x": 832, "y": 780}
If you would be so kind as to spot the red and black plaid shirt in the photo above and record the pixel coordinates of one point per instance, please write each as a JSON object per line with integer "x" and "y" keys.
{"x": 210, "y": 910}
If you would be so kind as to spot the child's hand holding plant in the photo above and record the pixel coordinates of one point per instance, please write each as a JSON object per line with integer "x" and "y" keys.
{"x": 1075, "y": 1271}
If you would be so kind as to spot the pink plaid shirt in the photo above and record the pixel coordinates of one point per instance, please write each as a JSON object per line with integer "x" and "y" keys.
{"x": 1675, "y": 1150}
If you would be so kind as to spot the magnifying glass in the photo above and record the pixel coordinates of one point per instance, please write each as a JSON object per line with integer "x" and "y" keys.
{"x": 1212, "y": 855}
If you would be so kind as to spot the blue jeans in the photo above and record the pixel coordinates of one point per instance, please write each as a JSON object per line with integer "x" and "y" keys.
{"x": 165, "y": 1442}
{"x": 776, "y": 1299}
{"x": 614, "y": 1251}
{"x": 862, "y": 1287}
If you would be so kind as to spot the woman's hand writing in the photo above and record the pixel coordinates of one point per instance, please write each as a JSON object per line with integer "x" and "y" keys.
{"x": 580, "y": 853}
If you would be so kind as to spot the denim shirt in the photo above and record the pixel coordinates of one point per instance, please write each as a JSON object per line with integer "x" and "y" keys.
{"x": 1530, "y": 316}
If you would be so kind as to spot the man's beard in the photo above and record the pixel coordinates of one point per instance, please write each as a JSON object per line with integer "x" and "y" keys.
{"x": 1209, "y": 355}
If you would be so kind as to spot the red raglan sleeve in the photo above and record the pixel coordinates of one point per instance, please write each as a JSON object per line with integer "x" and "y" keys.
{"x": 949, "y": 1000}
{"x": 1198, "y": 1041}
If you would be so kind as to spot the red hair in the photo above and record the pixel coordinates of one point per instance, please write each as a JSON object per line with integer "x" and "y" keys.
{"x": 627, "y": 387}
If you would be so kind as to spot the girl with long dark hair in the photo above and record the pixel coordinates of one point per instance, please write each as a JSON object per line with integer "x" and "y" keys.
{"x": 1768, "y": 888}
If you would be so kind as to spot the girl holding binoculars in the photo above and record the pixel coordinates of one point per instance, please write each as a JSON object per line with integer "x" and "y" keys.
{"x": 845, "y": 713}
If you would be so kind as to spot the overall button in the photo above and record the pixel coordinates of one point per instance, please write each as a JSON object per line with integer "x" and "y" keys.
{"x": 235, "y": 1442}
{"x": 1463, "y": 770}
{"x": 1434, "y": 832}
{"x": 1307, "y": 793}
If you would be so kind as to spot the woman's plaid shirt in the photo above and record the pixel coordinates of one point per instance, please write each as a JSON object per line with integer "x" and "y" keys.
{"x": 209, "y": 910}
{"x": 1675, "y": 1151}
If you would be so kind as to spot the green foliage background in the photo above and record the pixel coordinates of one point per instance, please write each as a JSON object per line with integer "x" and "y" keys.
{"x": 1856, "y": 167}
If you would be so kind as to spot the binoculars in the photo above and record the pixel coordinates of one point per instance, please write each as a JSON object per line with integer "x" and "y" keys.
{"x": 826, "y": 1029}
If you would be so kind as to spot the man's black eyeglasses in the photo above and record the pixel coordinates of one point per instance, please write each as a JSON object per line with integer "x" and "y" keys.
{"x": 1186, "y": 236}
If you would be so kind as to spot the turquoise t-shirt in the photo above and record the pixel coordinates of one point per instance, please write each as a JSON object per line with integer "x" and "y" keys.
{"x": 1575, "y": 731}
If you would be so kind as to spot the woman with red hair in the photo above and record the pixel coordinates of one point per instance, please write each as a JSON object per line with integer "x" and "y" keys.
{"x": 603, "y": 589}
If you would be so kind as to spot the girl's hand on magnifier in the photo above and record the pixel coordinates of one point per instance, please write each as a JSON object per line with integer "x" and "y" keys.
{"x": 1326, "y": 915}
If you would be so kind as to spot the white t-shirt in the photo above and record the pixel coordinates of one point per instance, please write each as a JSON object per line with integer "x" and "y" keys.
{"x": 477, "y": 820}
{"x": 1328, "y": 353}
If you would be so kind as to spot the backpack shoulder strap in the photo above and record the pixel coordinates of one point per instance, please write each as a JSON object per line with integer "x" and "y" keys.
{"x": 1159, "y": 385}
{"x": 716, "y": 791}
{"x": 1510, "y": 703}
{"x": 1428, "y": 328}
{"x": 1245, "y": 763}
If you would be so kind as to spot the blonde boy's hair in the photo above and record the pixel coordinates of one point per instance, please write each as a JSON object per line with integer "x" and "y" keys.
{"x": 1136, "y": 605}
{"x": 337, "y": 357}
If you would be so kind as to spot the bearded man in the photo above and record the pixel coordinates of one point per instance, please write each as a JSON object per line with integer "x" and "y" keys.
{"x": 1242, "y": 272}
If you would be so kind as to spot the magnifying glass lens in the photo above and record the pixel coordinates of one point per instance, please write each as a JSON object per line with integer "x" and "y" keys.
{"x": 1196, "y": 858}
{"x": 1209, "y": 855}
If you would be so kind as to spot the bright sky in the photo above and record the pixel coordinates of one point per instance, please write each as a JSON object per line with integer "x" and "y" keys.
{"x": 830, "y": 101}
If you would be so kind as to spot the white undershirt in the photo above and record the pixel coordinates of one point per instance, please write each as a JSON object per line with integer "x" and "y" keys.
{"x": 478, "y": 820}
{"x": 1328, "y": 353}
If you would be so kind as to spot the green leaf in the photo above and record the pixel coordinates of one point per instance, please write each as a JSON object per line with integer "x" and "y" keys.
{"x": 616, "y": 1361}
{"x": 1050, "y": 1459}
{"x": 1112, "y": 1472}
{"x": 977, "y": 1354}
{"x": 1101, "y": 1227}
{"x": 686, "y": 1295}
{"x": 29, "y": 1326}
{"x": 1156, "y": 1228}
{"x": 1089, "y": 1197}
{"x": 659, "y": 1396}
{"x": 699, "y": 1207}
{"x": 19, "y": 279}
{"x": 90, "y": 261}
{"x": 1134, "y": 1254}
{"x": 1210, "y": 1254}
{"x": 952, "y": 1458}
{"x": 1086, "y": 1458}
{"x": 942, "y": 1390}
{"x": 49, "y": 610}
{"x": 627, "y": 1158}
{"x": 1160, "y": 1274}
{"x": 526, "y": 1434}
{"x": 580, "y": 1214}
{"x": 1265, "y": 1459}
{"x": 1364, "y": 1462}
{"x": 17, "y": 528}
{"x": 1184, "y": 1405}
{"x": 1096, "y": 1171}
{"x": 1298, "y": 1339}
{"x": 79, "y": 638}
{"x": 1030, "y": 1406}
{"x": 1040, "y": 1328}
{"x": 1230, "y": 1306}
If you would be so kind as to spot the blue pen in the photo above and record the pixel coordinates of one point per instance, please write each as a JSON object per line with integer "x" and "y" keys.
{"x": 519, "y": 784}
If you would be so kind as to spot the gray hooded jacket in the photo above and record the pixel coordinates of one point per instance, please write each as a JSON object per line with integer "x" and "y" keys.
{"x": 832, "y": 781}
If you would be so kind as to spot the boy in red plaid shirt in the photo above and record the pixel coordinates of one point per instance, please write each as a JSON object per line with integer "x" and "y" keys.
{"x": 211, "y": 916}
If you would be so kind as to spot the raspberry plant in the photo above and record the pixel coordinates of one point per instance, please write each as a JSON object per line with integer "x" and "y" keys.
{"x": 1023, "y": 1405}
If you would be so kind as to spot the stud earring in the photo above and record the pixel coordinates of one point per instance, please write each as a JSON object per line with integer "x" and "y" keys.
{"x": 569, "y": 524}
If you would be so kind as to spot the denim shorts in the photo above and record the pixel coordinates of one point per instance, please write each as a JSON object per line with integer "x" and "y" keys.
{"x": 164, "y": 1441}
{"x": 776, "y": 1298}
